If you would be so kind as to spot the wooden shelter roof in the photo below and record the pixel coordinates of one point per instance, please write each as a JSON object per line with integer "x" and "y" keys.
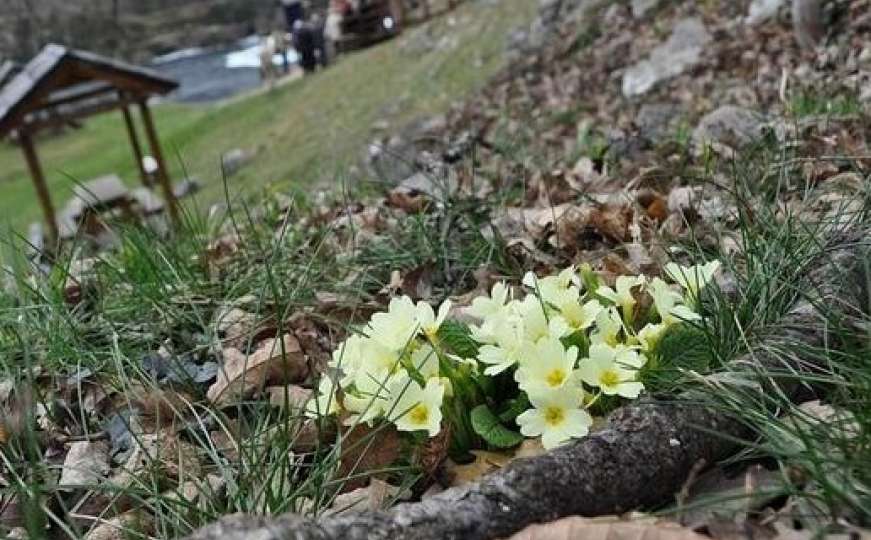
{"x": 62, "y": 83}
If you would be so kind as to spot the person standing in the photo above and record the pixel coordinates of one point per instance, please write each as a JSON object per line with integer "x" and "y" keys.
{"x": 294, "y": 11}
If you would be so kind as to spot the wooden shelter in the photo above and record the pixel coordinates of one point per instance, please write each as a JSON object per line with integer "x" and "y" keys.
{"x": 61, "y": 86}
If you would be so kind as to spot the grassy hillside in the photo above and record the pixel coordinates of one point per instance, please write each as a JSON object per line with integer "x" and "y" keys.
{"x": 304, "y": 132}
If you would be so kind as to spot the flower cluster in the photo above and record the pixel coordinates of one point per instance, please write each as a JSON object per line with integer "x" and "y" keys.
{"x": 390, "y": 371}
{"x": 565, "y": 343}
{"x": 570, "y": 340}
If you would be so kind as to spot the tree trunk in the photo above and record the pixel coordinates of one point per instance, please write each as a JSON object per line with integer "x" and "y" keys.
{"x": 641, "y": 458}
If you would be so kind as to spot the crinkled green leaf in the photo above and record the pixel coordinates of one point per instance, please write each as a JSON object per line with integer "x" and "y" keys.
{"x": 487, "y": 425}
{"x": 457, "y": 338}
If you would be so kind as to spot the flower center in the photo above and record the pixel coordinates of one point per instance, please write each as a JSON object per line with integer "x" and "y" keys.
{"x": 556, "y": 378}
{"x": 419, "y": 414}
{"x": 609, "y": 378}
{"x": 554, "y": 416}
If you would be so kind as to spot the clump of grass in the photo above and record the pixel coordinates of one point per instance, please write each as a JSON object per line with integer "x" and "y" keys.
{"x": 809, "y": 103}
{"x": 822, "y": 456}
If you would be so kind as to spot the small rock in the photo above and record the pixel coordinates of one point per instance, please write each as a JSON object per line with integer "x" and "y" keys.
{"x": 656, "y": 121}
{"x": 729, "y": 126}
{"x": 234, "y": 160}
{"x": 186, "y": 187}
{"x": 640, "y": 8}
{"x": 762, "y": 10}
{"x": 86, "y": 464}
{"x": 681, "y": 52}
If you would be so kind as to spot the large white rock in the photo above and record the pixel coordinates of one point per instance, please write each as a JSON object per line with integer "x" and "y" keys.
{"x": 681, "y": 52}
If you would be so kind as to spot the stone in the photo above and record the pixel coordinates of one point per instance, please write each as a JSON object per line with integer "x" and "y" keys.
{"x": 729, "y": 126}
{"x": 233, "y": 160}
{"x": 762, "y": 10}
{"x": 656, "y": 121}
{"x": 186, "y": 187}
{"x": 86, "y": 464}
{"x": 681, "y": 51}
{"x": 100, "y": 192}
{"x": 147, "y": 201}
{"x": 640, "y": 8}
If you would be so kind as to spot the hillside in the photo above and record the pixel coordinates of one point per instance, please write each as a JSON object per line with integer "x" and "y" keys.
{"x": 303, "y": 132}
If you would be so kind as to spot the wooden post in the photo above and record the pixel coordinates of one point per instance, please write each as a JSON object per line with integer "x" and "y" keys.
{"x": 30, "y": 156}
{"x": 162, "y": 173}
{"x": 137, "y": 148}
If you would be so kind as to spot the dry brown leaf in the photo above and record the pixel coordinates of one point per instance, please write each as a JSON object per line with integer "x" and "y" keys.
{"x": 607, "y": 528}
{"x": 485, "y": 462}
{"x": 432, "y": 454}
{"x": 276, "y": 361}
{"x": 373, "y": 497}
{"x": 657, "y": 209}
{"x": 291, "y": 395}
{"x": 366, "y": 452}
{"x": 612, "y": 222}
{"x": 408, "y": 200}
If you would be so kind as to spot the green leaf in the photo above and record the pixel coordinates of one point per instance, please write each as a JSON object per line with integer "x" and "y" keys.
{"x": 487, "y": 425}
{"x": 515, "y": 407}
{"x": 456, "y": 337}
{"x": 682, "y": 347}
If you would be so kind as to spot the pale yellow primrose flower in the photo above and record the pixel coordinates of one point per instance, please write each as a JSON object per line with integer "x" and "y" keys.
{"x": 546, "y": 365}
{"x": 347, "y": 358}
{"x": 418, "y": 408}
{"x": 427, "y": 319}
{"x": 327, "y": 400}
{"x": 649, "y": 336}
{"x": 508, "y": 337}
{"x": 376, "y": 358}
{"x": 536, "y": 324}
{"x": 396, "y": 327}
{"x": 603, "y": 370}
{"x": 608, "y": 327}
{"x": 623, "y": 296}
{"x": 370, "y": 397}
{"x": 692, "y": 278}
{"x": 667, "y": 303}
{"x": 580, "y": 316}
{"x": 553, "y": 289}
{"x": 557, "y": 416}
{"x": 426, "y": 361}
{"x": 484, "y": 307}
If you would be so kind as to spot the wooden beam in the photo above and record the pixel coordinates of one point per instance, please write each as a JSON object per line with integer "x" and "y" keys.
{"x": 60, "y": 119}
{"x": 162, "y": 172}
{"x": 38, "y": 178}
{"x": 134, "y": 143}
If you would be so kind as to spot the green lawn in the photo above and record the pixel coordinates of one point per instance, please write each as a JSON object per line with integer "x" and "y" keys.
{"x": 305, "y": 132}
